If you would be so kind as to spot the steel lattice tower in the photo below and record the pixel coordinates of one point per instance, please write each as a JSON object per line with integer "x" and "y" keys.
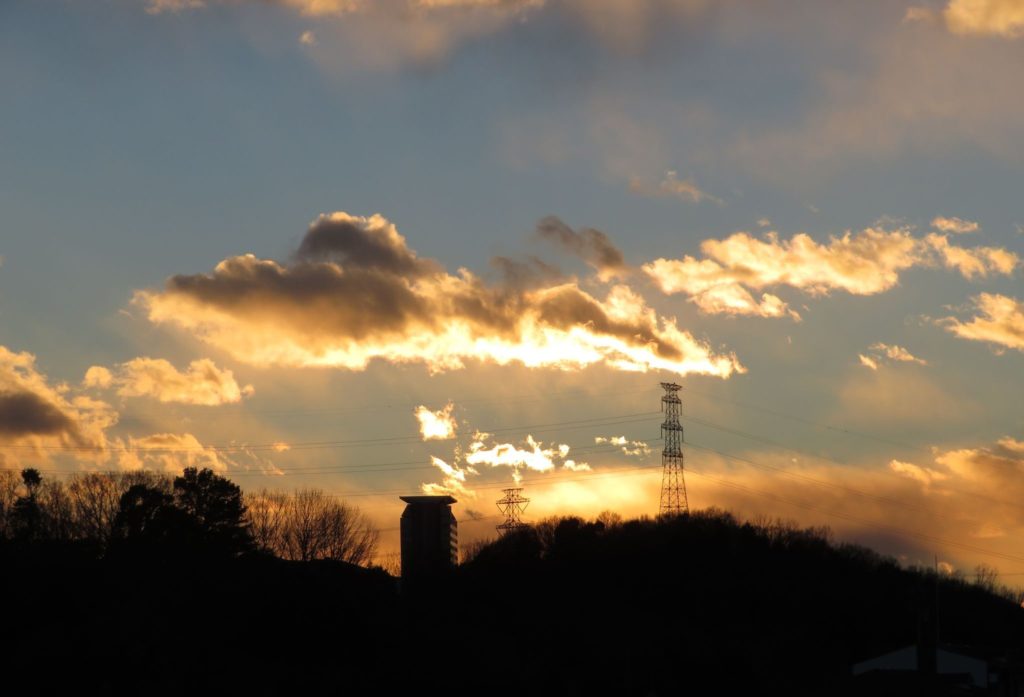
{"x": 512, "y": 506}
{"x": 673, "y": 483}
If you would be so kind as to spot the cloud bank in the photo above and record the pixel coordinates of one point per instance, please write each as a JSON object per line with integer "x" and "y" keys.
{"x": 355, "y": 292}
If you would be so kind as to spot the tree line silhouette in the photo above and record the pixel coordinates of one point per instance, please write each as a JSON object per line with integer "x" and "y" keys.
{"x": 143, "y": 583}
{"x": 196, "y": 514}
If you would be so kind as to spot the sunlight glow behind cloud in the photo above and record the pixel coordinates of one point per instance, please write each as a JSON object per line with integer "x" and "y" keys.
{"x": 356, "y": 292}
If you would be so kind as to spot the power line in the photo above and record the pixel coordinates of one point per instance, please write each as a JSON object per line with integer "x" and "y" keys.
{"x": 356, "y": 468}
{"x": 805, "y": 421}
{"x": 620, "y": 419}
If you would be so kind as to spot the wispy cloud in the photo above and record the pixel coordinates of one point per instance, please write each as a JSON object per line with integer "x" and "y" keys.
{"x": 880, "y": 352}
{"x": 633, "y": 448}
{"x": 593, "y": 246}
{"x": 673, "y": 187}
{"x": 1001, "y": 322}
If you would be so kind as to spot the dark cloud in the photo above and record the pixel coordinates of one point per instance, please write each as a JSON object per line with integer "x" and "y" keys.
{"x": 593, "y": 246}
{"x": 369, "y": 243}
{"x": 26, "y": 414}
{"x": 531, "y": 273}
{"x": 355, "y": 292}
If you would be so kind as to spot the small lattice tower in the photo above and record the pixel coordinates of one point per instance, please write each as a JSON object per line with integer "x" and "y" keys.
{"x": 673, "y": 483}
{"x": 512, "y": 506}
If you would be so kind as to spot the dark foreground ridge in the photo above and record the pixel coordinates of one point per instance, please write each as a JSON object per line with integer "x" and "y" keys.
{"x": 696, "y": 604}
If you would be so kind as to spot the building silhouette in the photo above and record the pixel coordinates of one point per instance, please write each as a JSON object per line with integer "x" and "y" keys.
{"x": 430, "y": 537}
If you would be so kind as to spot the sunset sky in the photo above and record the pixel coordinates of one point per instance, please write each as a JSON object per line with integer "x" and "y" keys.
{"x": 385, "y": 247}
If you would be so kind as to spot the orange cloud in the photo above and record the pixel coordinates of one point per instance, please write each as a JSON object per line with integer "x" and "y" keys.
{"x": 865, "y": 263}
{"x": 880, "y": 351}
{"x": 957, "y": 226}
{"x": 453, "y": 482}
{"x": 355, "y": 292}
{"x": 170, "y": 452}
{"x": 986, "y": 17}
{"x": 38, "y": 418}
{"x": 1001, "y": 322}
{"x": 633, "y": 448}
{"x": 974, "y": 262}
{"x": 202, "y": 384}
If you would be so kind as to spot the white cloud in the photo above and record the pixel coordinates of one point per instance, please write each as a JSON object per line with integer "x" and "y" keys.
{"x": 673, "y": 187}
{"x": 436, "y": 425}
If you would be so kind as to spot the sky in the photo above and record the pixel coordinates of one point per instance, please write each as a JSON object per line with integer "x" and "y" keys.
{"x": 383, "y": 247}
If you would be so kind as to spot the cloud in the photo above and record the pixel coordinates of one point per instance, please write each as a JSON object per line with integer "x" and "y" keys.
{"x": 202, "y": 384}
{"x": 369, "y": 243}
{"x": 38, "y": 418}
{"x": 879, "y": 352}
{"x": 889, "y": 91}
{"x": 924, "y": 475}
{"x": 632, "y": 448}
{"x": 436, "y": 425}
{"x": 593, "y": 246}
{"x": 170, "y": 452}
{"x": 865, "y": 263}
{"x": 536, "y": 457}
{"x": 883, "y": 399}
{"x": 428, "y": 29}
{"x": 957, "y": 226}
{"x": 308, "y": 38}
{"x": 453, "y": 482}
{"x": 1001, "y": 322}
{"x": 868, "y": 361}
{"x": 975, "y": 262}
{"x": 155, "y": 7}
{"x": 355, "y": 292}
{"x": 1003, "y": 18}
{"x": 674, "y": 187}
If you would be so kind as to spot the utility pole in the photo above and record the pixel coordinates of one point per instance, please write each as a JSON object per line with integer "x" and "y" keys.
{"x": 512, "y": 506}
{"x": 673, "y": 483}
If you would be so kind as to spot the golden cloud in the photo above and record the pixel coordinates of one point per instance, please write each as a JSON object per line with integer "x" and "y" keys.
{"x": 879, "y": 352}
{"x": 202, "y": 384}
{"x": 865, "y": 263}
{"x": 436, "y": 425}
{"x": 1001, "y": 322}
{"x": 957, "y": 226}
{"x": 169, "y": 452}
{"x": 355, "y": 292}
{"x": 993, "y": 17}
{"x": 37, "y": 418}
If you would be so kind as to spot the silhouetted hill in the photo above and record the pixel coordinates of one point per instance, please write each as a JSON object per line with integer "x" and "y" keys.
{"x": 700, "y": 604}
